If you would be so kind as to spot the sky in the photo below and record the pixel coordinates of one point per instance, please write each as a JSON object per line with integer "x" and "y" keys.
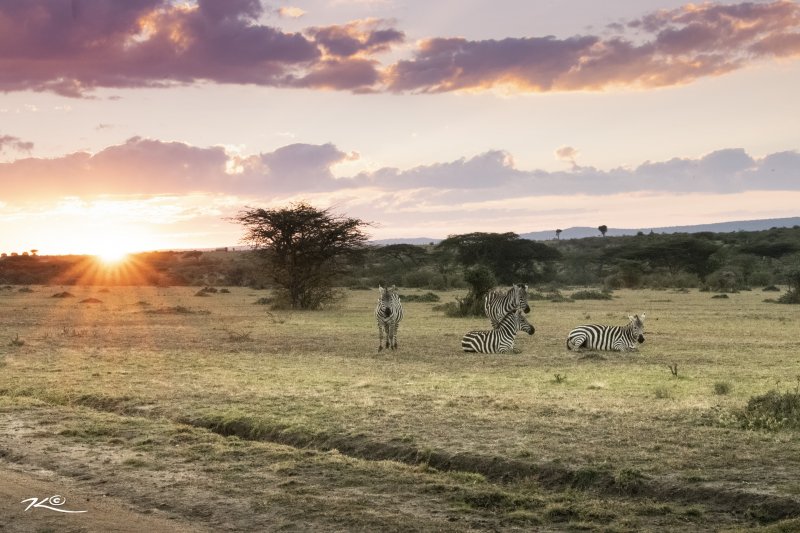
{"x": 149, "y": 124}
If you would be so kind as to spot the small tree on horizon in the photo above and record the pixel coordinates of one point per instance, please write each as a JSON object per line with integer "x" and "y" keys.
{"x": 558, "y": 234}
{"x": 303, "y": 249}
{"x": 603, "y": 229}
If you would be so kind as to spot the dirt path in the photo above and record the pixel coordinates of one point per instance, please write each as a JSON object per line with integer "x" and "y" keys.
{"x": 103, "y": 514}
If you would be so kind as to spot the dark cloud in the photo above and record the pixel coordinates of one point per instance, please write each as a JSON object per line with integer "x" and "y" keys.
{"x": 360, "y": 37}
{"x": 678, "y": 47}
{"x": 73, "y": 48}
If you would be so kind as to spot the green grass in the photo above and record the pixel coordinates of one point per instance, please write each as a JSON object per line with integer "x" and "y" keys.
{"x": 495, "y": 438}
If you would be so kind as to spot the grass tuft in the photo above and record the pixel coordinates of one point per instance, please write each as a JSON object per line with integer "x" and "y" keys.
{"x": 16, "y": 341}
{"x": 722, "y": 387}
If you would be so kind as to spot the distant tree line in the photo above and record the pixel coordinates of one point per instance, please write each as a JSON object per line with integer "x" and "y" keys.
{"x": 331, "y": 251}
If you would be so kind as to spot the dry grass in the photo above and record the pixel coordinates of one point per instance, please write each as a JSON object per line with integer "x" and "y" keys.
{"x": 517, "y": 441}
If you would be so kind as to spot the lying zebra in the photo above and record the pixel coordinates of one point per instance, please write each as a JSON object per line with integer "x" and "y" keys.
{"x": 496, "y": 304}
{"x": 613, "y": 338}
{"x": 500, "y": 339}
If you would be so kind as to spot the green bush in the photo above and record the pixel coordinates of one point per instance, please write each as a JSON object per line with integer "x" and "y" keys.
{"x": 772, "y": 411}
{"x": 789, "y": 297}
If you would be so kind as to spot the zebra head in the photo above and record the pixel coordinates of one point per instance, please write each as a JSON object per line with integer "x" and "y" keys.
{"x": 385, "y": 298}
{"x": 523, "y": 324}
{"x": 515, "y": 321}
{"x": 521, "y": 296}
{"x": 637, "y": 327}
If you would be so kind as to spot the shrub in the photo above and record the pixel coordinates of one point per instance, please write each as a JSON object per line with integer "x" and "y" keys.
{"x": 771, "y": 288}
{"x": 723, "y": 281}
{"x": 424, "y": 279}
{"x": 481, "y": 280}
{"x": 723, "y": 296}
{"x": 662, "y": 280}
{"x": 789, "y": 297}
{"x": 772, "y": 411}
{"x": 557, "y": 297}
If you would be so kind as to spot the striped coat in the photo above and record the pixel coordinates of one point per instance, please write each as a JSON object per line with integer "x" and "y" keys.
{"x": 612, "y": 338}
{"x": 388, "y": 314}
{"x": 500, "y": 339}
{"x": 497, "y": 304}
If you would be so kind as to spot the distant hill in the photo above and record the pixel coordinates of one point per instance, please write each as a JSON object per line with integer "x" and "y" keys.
{"x": 581, "y": 232}
{"x": 718, "y": 227}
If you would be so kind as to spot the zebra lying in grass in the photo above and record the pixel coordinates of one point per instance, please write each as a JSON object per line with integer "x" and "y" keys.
{"x": 388, "y": 314}
{"x": 500, "y": 339}
{"x": 613, "y": 338}
{"x": 498, "y": 304}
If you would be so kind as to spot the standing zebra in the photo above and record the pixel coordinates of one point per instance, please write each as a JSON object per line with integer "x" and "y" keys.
{"x": 497, "y": 304}
{"x": 614, "y": 338}
{"x": 500, "y": 339}
{"x": 388, "y": 315}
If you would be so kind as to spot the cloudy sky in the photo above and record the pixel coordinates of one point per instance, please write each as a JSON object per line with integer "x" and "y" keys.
{"x": 147, "y": 124}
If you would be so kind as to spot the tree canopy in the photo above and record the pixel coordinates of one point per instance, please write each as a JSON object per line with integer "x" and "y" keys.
{"x": 303, "y": 248}
{"x": 510, "y": 257}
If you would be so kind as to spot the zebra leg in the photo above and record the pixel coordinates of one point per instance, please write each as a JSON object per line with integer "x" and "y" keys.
{"x": 380, "y": 337}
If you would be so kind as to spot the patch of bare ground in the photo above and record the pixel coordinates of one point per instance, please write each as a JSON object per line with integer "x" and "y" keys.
{"x": 555, "y": 476}
{"x": 179, "y": 475}
{"x": 94, "y": 511}
{"x": 184, "y": 474}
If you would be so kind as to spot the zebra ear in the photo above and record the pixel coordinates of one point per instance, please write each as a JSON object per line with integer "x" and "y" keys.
{"x": 641, "y": 318}
{"x": 631, "y": 318}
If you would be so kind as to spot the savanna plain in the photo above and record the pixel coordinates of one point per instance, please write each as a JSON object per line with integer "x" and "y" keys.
{"x": 155, "y": 409}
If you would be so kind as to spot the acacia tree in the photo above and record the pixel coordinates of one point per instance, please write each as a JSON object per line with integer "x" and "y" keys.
{"x": 602, "y": 229}
{"x": 303, "y": 248}
{"x": 510, "y": 257}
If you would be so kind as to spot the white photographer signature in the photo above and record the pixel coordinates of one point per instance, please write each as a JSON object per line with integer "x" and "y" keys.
{"x": 45, "y": 503}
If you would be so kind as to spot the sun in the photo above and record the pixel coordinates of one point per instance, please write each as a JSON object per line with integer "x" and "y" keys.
{"x": 112, "y": 251}
{"x": 112, "y": 255}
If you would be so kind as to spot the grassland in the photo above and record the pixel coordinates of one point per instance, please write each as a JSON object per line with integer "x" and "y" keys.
{"x": 218, "y": 414}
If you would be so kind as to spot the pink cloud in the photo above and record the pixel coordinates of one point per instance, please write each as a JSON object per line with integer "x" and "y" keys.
{"x": 680, "y": 46}
{"x": 147, "y": 167}
{"x": 72, "y": 48}
{"x": 359, "y": 37}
